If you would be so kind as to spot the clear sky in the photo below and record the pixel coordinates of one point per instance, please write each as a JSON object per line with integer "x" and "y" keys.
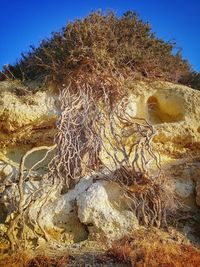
{"x": 26, "y": 22}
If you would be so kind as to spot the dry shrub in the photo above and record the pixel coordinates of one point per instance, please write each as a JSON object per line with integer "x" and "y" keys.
{"x": 147, "y": 248}
{"x": 23, "y": 259}
{"x": 103, "y": 44}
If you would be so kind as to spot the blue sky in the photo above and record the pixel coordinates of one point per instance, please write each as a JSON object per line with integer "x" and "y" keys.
{"x": 26, "y": 22}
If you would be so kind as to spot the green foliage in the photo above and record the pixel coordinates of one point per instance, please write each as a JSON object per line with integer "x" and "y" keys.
{"x": 192, "y": 80}
{"x": 102, "y": 44}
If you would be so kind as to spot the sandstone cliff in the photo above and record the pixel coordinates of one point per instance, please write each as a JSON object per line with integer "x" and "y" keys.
{"x": 29, "y": 120}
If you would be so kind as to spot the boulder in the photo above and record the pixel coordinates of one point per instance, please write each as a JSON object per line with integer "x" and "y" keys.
{"x": 90, "y": 210}
{"x": 104, "y": 216}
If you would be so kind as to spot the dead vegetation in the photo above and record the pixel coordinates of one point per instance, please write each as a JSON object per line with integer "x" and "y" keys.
{"x": 23, "y": 259}
{"x": 153, "y": 249}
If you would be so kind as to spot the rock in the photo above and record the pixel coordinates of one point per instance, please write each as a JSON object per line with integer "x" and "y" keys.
{"x": 95, "y": 208}
{"x": 28, "y": 119}
{"x": 23, "y": 113}
{"x": 6, "y": 171}
{"x": 184, "y": 188}
{"x": 67, "y": 219}
{"x": 55, "y": 220}
{"x": 173, "y": 110}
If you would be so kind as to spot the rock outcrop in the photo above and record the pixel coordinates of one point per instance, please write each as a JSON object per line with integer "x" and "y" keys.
{"x": 101, "y": 207}
{"x": 173, "y": 110}
{"x": 91, "y": 210}
{"x": 93, "y": 207}
{"x": 25, "y": 117}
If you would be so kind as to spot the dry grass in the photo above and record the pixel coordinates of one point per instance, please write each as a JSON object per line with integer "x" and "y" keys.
{"x": 23, "y": 259}
{"x": 148, "y": 249}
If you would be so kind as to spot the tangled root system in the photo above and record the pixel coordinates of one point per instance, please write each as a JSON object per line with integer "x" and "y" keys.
{"x": 93, "y": 121}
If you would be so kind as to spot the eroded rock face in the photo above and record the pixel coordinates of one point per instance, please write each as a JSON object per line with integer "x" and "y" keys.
{"x": 29, "y": 118}
{"x": 87, "y": 211}
{"x": 174, "y": 111}
{"x": 98, "y": 207}
{"x": 25, "y": 115}
{"x": 104, "y": 216}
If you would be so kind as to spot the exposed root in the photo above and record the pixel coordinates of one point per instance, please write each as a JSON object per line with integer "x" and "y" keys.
{"x": 85, "y": 130}
{"x": 24, "y": 203}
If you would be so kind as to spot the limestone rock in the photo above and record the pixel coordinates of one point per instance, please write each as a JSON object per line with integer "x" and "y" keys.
{"x": 96, "y": 210}
{"x": 67, "y": 218}
{"x": 174, "y": 111}
{"x": 28, "y": 119}
{"x": 184, "y": 188}
{"x": 23, "y": 113}
{"x": 5, "y": 170}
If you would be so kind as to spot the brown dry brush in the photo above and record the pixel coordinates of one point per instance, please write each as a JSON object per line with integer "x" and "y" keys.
{"x": 123, "y": 44}
{"x": 151, "y": 247}
{"x": 23, "y": 259}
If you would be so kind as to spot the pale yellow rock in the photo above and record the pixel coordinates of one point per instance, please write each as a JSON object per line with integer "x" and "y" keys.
{"x": 24, "y": 115}
{"x": 174, "y": 111}
{"x": 101, "y": 208}
{"x": 28, "y": 119}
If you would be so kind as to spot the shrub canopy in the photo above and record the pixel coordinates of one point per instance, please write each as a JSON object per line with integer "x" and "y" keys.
{"x": 102, "y": 44}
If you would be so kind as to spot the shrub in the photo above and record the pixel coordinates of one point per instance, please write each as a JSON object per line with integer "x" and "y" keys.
{"x": 104, "y": 45}
{"x": 192, "y": 80}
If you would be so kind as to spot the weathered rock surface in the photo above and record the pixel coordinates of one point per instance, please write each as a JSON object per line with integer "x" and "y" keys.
{"x": 28, "y": 119}
{"x": 103, "y": 215}
{"x": 174, "y": 111}
{"x": 25, "y": 117}
{"x": 87, "y": 211}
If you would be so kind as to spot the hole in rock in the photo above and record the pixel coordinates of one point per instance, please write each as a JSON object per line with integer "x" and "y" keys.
{"x": 163, "y": 109}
